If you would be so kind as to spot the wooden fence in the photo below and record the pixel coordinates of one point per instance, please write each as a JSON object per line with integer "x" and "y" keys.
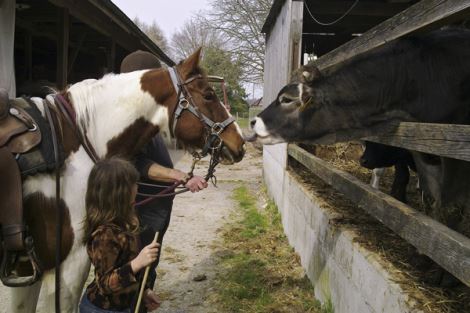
{"x": 446, "y": 247}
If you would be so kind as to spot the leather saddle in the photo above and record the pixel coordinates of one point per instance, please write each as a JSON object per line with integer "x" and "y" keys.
{"x": 18, "y": 134}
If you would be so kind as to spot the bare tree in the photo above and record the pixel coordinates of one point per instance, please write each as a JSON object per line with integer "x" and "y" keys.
{"x": 194, "y": 34}
{"x": 154, "y": 32}
{"x": 240, "y": 21}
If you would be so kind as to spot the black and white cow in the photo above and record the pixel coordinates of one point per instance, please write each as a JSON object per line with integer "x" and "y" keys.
{"x": 377, "y": 156}
{"x": 423, "y": 78}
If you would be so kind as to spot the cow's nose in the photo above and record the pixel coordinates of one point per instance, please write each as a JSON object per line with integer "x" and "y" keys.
{"x": 252, "y": 123}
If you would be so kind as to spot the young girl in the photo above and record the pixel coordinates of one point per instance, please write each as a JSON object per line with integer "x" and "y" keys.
{"x": 111, "y": 229}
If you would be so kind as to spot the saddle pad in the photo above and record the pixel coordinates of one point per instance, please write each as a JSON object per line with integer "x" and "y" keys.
{"x": 41, "y": 158}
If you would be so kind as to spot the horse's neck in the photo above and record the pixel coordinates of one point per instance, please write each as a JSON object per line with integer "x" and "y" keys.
{"x": 116, "y": 105}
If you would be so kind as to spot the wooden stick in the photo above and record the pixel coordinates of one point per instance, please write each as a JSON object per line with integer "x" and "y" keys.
{"x": 144, "y": 281}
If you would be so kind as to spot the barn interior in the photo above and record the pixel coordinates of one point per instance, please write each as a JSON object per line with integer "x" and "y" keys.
{"x": 59, "y": 42}
{"x": 327, "y": 24}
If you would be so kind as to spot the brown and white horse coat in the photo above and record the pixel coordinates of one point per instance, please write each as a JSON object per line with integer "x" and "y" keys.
{"x": 118, "y": 114}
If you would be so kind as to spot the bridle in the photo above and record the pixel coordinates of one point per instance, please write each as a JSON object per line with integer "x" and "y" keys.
{"x": 185, "y": 102}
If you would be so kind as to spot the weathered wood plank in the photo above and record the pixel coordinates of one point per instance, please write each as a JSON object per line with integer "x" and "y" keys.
{"x": 446, "y": 140}
{"x": 448, "y": 248}
{"x": 422, "y": 15}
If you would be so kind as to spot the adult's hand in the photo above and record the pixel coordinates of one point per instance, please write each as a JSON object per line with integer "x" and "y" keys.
{"x": 196, "y": 184}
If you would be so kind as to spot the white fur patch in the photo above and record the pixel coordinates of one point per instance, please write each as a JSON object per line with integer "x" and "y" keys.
{"x": 259, "y": 128}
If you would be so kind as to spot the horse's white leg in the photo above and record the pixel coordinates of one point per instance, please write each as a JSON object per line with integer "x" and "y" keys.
{"x": 25, "y": 299}
{"x": 376, "y": 175}
{"x": 74, "y": 272}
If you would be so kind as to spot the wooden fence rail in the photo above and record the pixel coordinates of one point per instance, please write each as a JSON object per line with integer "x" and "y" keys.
{"x": 452, "y": 141}
{"x": 446, "y": 247}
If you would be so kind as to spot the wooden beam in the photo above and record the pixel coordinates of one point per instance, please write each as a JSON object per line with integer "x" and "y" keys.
{"x": 76, "y": 51}
{"x": 88, "y": 14}
{"x": 452, "y": 141}
{"x": 63, "y": 23}
{"x": 446, "y": 247}
{"x": 41, "y": 32}
{"x": 362, "y": 8}
{"x": 421, "y": 16}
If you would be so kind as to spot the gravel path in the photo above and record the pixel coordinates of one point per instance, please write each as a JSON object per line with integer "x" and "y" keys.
{"x": 188, "y": 247}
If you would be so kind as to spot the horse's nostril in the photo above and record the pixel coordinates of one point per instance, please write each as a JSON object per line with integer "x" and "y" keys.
{"x": 252, "y": 123}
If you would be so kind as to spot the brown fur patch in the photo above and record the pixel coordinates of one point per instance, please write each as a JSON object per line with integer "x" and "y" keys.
{"x": 132, "y": 139}
{"x": 158, "y": 84}
{"x": 40, "y": 217}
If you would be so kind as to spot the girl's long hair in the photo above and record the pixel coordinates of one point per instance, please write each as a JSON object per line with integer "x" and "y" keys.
{"x": 109, "y": 196}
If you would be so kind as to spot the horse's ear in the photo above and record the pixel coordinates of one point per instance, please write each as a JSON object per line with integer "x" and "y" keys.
{"x": 309, "y": 73}
{"x": 190, "y": 66}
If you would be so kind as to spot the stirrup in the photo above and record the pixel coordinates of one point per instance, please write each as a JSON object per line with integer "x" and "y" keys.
{"x": 9, "y": 260}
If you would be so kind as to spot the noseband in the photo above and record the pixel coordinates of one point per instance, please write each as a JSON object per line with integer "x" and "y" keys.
{"x": 185, "y": 102}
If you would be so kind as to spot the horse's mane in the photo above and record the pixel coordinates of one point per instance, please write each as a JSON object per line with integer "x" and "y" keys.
{"x": 86, "y": 95}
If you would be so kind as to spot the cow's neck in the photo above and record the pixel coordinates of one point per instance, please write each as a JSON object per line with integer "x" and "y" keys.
{"x": 371, "y": 96}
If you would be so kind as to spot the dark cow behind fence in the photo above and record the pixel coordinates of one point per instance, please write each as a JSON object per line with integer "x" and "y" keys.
{"x": 419, "y": 78}
{"x": 377, "y": 156}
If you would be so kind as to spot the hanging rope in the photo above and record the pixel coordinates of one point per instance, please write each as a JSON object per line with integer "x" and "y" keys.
{"x": 333, "y": 22}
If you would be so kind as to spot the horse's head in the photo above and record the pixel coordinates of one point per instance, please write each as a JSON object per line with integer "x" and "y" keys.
{"x": 194, "y": 110}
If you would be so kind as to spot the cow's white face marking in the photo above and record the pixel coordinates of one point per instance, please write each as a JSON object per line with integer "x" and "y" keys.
{"x": 263, "y": 135}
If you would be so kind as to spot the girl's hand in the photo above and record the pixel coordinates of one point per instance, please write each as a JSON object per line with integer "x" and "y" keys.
{"x": 151, "y": 300}
{"x": 147, "y": 256}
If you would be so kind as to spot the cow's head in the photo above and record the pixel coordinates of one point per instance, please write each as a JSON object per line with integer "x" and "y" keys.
{"x": 290, "y": 115}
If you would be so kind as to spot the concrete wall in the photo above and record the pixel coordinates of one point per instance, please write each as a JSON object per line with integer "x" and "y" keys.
{"x": 342, "y": 271}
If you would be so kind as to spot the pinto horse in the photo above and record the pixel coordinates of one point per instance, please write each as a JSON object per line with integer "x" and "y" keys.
{"x": 118, "y": 114}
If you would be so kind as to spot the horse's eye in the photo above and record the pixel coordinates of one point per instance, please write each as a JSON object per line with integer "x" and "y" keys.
{"x": 209, "y": 96}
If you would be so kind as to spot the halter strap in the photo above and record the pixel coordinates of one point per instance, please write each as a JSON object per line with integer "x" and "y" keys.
{"x": 68, "y": 112}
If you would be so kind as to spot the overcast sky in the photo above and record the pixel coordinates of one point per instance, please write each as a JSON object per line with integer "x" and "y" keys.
{"x": 170, "y": 15}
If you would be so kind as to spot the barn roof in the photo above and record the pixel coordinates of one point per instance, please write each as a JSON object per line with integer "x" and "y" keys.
{"x": 65, "y": 41}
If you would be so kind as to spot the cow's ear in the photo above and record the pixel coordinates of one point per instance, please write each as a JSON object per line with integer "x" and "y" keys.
{"x": 309, "y": 74}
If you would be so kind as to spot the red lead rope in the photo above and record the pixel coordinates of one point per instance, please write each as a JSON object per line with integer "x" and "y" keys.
{"x": 169, "y": 191}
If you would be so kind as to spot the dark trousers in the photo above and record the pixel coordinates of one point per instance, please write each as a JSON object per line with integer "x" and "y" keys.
{"x": 152, "y": 220}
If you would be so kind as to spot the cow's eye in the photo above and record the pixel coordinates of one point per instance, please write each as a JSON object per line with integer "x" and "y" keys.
{"x": 288, "y": 103}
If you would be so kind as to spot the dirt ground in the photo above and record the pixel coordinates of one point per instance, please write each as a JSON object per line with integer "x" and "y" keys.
{"x": 189, "y": 245}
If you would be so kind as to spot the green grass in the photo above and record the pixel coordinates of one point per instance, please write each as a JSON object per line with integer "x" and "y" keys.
{"x": 243, "y": 122}
{"x": 260, "y": 271}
